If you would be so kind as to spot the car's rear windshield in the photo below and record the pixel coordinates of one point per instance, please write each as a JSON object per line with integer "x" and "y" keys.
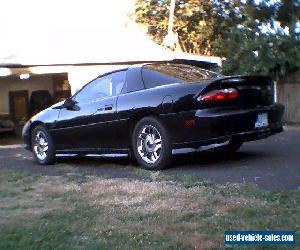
{"x": 166, "y": 73}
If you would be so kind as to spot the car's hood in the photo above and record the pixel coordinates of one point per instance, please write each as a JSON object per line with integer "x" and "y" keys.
{"x": 56, "y": 105}
{"x": 42, "y": 113}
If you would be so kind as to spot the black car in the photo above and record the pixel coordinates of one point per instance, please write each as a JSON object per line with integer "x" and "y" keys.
{"x": 147, "y": 110}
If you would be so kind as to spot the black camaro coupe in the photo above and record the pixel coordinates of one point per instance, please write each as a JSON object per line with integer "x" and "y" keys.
{"x": 147, "y": 110}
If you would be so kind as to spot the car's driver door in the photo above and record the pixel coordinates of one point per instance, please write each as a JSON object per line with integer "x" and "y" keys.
{"x": 92, "y": 122}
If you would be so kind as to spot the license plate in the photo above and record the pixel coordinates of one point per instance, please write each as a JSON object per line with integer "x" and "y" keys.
{"x": 261, "y": 120}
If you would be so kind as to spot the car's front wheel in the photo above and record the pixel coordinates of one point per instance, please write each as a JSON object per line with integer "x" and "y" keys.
{"x": 151, "y": 144}
{"x": 42, "y": 146}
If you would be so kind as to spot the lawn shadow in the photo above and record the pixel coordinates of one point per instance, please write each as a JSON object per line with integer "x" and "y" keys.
{"x": 190, "y": 160}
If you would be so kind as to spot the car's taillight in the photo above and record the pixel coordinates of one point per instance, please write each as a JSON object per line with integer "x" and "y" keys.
{"x": 219, "y": 95}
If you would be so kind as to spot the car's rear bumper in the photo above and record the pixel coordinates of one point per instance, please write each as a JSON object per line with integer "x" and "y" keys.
{"x": 208, "y": 126}
{"x": 243, "y": 136}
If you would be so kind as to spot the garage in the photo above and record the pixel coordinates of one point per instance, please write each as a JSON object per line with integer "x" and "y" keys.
{"x": 23, "y": 95}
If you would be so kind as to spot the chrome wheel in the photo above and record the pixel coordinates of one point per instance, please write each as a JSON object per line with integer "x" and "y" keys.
{"x": 149, "y": 144}
{"x": 40, "y": 146}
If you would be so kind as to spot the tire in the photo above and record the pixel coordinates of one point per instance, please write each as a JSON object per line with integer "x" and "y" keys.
{"x": 42, "y": 146}
{"x": 151, "y": 144}
{"x": 230, "y": 148}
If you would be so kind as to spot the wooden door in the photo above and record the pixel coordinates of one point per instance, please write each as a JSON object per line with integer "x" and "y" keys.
{"x": 18, "y": 104}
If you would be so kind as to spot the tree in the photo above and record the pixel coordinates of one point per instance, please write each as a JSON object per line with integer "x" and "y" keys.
{"x": 288, "y": 16}
{"x": 253, "y": 36}
{"x": 194, "y": 22}
{"x": 262, "y": 41}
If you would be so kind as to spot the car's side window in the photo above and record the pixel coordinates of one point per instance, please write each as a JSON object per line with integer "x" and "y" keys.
{"x": 102, "y": 87}
{"x": 134, "y": 81}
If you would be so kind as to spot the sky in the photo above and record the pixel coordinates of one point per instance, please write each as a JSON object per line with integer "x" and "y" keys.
{"x": 30, "y": 22}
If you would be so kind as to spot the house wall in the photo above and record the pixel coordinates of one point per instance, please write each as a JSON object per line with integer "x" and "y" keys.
{"x": 14, "y": 84}
{"x": 288, "y": 93}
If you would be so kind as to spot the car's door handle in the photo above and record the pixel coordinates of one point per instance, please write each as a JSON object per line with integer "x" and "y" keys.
{"x": 108, "y": 107}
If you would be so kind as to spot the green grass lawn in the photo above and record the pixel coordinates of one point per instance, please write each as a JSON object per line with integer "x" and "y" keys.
{"x": 77, "y": 211}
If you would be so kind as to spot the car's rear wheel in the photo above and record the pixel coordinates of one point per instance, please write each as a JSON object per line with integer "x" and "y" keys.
{"x": 151, "y": 144}
{"x": 42, "y": 146}
{"x": 229, "y": 148}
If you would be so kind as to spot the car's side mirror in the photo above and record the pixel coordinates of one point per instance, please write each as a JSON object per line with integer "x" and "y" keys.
{"x": 69, "y": 103}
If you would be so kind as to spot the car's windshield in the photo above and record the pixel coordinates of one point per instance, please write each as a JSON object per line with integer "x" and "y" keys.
{"x": 103, "y": 86}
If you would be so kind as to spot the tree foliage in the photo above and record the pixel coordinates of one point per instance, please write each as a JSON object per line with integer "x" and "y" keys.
{"x": 194, "y": 22}
{"x": 254, "y": 36}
